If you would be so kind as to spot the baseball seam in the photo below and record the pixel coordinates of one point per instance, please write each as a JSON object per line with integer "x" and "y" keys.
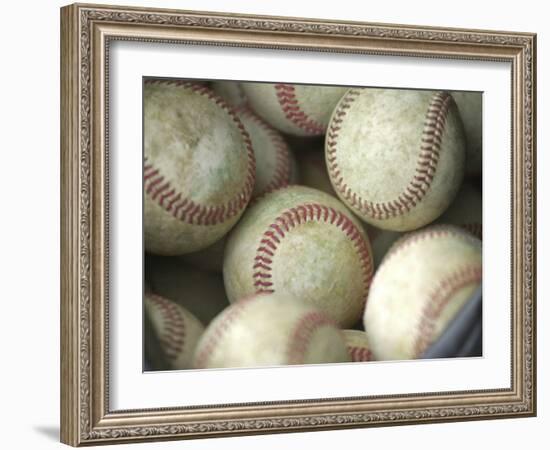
{"x": 281, "y": 172}
{"x": 426, "y": 165}
{"x": 438, "y": 299}
{"x": 172, "y": 333}
{"x": 291, "y": 218}
{"x": 286, "y": 95}
{"x": 208, "y": 346}
{"x": 300, "y": 337}
{"x": 183, "y": 208}
{"x": 359, "y": 354}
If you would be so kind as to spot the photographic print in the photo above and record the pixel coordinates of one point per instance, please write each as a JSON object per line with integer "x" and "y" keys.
{"x": 341, "y": 211}
{"x": 294, "y": 224}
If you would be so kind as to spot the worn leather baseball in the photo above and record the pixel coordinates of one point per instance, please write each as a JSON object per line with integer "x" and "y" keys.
{"x": 178, "y": 331}
{"x": 294, "y": 108}
{"x": 270, "y": 330}
{"x": 470, "y": 109}
{"x": 304, "y": 243}
{"x": 422, "y": 283}
{"x": 396, "y": 157}
{"x": 199, "y": 167}
{"x": 358, "y": 345}
{"x": 274, "y": 160}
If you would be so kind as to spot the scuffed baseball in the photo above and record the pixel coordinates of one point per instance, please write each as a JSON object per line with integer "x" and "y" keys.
{"x": 177, "y": 330}
{"x": 270, "y": 330}
{"x": 200, "y": 292}
{"x": 422, "y": 283}
{"x": 199, "y": 167}
{"x": 358, "y": 345}
{"x": 274, "y": 160}
{"x": 396, "y": 157}
{"x": 302, "y": 110}
{"x": 470, "y": 109}
{"x": 305, "y": 243}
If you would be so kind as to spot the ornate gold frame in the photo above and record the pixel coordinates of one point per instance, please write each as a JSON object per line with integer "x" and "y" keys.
{"x": 86, "y": 31}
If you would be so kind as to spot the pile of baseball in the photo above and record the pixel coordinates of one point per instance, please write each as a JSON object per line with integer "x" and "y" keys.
{"x": 299, "y": 224}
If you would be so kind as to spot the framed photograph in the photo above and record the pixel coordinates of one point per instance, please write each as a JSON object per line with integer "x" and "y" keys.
{"x": 276, "y": 224}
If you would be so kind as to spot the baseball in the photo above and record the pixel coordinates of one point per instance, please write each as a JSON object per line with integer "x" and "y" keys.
{"x": 465, "y": 211}
{"x": 199, "y": 168}
{"x": 304, "y": 243}
{"x": 469, "y": 107}
{"x": 396, "y": 157}
{"x": 177, "y": 330}
{"x": 358, "y": 345}
{"x": 200, "y": 292}
{"x": 274, "y": 161}
{"x": 269, "y": 330}
{"x": 422, "y": 283}
{"x": 294, "y": 108}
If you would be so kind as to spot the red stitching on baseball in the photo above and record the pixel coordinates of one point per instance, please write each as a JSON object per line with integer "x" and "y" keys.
{"x": 231, "y": 314}
{"x": 183, "y": 208}
{"x": 359, "y": 354}
{"x": 293, "y": 217}
{"x": 438, "y": 300}
{"x": 430, "y": 148}
{"x": 289, "y": 103}
{"x": 281, "y": 173}
{"x": 302, "y": 333}
{"x": 172, "y": 338}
